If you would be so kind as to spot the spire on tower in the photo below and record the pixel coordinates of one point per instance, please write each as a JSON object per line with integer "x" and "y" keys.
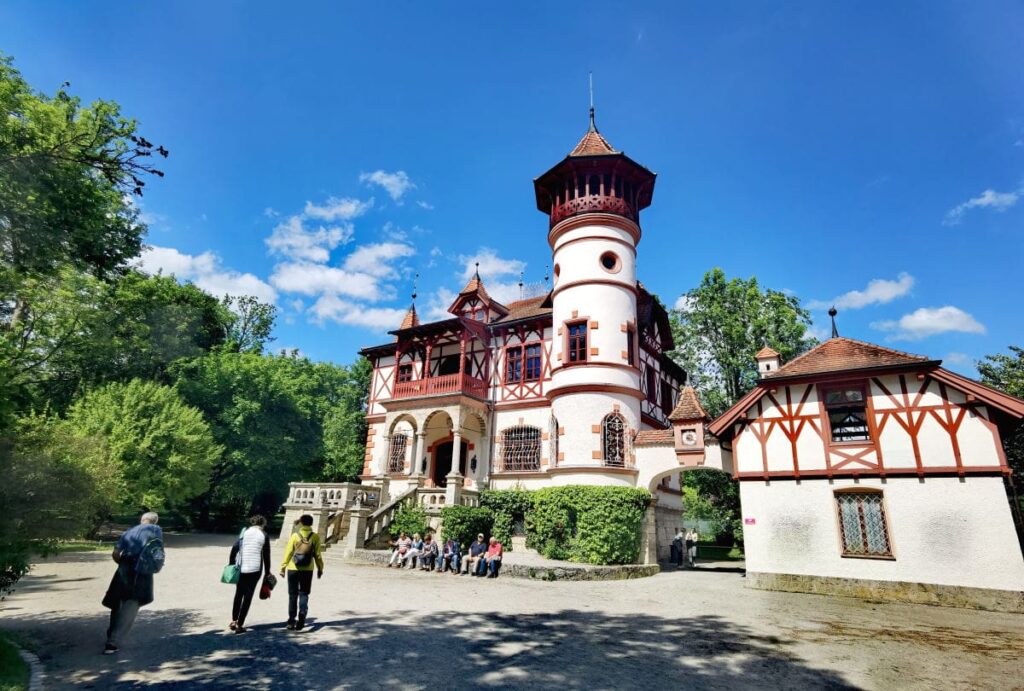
{"x": 593, "y": 125}
{"x": 832, "y": 313}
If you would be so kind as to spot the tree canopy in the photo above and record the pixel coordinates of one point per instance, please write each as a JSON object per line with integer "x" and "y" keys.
{"x": 723, "y": 323}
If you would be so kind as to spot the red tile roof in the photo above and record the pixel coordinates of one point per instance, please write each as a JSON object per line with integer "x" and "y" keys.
{"x": 654, "y": 437}
{"x": 593, "y": 144}
{"x": 525, "y": 309}
{"x": 688, "y": 407}
{"x": 411, "y": 318}
{"x": 841, "y": 354}
{"x": 765, "y": 352}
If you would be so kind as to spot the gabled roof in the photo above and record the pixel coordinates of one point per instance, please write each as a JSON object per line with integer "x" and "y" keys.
{"x": 688, "y": 407}
{"x": 765, "y": 352}
{"x": 475, "y": 288}
{"x": 844, "y": 354}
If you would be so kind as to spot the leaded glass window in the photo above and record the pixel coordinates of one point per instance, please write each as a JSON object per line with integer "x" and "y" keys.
{"x": 862, "y": 523}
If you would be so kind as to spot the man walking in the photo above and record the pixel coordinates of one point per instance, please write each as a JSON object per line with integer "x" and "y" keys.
{"x": 139, "y": 553}
{"x": 303, "y": 550}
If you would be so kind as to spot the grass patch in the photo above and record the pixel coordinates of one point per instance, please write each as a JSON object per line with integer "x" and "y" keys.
{"x": 78, "y": 546}
{"x": 14, "y": 673}
{"x": 718, "y": 552}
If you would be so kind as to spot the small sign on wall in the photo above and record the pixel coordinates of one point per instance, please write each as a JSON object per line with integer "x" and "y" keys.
{"x": 749, "y": 521}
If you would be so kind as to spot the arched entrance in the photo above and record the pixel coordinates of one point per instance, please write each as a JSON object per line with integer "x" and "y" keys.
{"x": 443, "y": 462}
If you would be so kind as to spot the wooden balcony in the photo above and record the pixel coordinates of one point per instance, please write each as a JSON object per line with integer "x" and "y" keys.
{"x": 442, "y": 386}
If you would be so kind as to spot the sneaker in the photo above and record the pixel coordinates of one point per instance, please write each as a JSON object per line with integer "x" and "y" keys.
{"x": 109, "y": 649}
{"x": 233, "y": 625}
{"x": 291, "y": 625}
{"x": 300, "y": 623}
{"x": 239, "y": 629}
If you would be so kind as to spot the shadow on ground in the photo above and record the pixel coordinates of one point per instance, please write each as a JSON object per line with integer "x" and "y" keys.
{"x": 568, "y": 649}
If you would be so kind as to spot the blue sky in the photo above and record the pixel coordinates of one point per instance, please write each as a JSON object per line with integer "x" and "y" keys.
{"x": 322, "y": 153}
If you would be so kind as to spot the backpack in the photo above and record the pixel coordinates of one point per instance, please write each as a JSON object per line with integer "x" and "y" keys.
{"x": 151, "y": 558}
{"x": 302, "y": 555}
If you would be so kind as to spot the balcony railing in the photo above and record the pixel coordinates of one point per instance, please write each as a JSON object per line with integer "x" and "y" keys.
{"x": 438, "y": 386}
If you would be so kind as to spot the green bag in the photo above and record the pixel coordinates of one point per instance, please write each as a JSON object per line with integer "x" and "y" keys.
{"x": 230, "y": 574}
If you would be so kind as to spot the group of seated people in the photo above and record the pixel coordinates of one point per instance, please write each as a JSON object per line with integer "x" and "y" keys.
{"x": 428, "y": 554}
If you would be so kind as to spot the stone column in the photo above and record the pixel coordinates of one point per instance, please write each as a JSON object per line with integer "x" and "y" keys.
{"x": 453, "y": 489}
{"x": 417, "y": 451}
{"x": 456, "y": 453}
{"x": 384, "y": 483}
{"x": 649, "y": 534}
{"x": 356, "y": 528}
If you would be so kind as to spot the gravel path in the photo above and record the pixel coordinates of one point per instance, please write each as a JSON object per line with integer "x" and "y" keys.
{"x": 373, "y": 627}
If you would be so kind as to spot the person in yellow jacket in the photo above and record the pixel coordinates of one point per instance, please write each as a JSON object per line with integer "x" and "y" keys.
{"x": 303, "y": 550}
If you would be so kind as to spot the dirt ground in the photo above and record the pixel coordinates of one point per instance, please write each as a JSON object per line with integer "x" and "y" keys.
{"x": 377, "y": 628}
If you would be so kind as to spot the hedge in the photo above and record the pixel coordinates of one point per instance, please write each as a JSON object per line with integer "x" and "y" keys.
{"x": 409, "y": 520}
{"x": 593, "y": 525}
{"x": 510, "y": 507}
{"x": 464, "y": 523}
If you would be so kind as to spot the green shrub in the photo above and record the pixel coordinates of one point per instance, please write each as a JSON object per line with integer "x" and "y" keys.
{"x": 409, "y": 520}
{"x": 510, "y": 507}
{"x": 464, "y": 523}
{"x": 594, "y": 525}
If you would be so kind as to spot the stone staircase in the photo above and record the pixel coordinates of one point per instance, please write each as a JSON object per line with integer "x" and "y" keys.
{"x": 357, "y": 516}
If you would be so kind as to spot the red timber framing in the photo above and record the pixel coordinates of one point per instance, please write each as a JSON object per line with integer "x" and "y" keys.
{"x": 445, "y": 361}
{"x": 904, "y": 409}
{"x": 517, "y": 338}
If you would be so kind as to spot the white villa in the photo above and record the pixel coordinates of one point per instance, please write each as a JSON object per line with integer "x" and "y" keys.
{"x": 862, "y": 469}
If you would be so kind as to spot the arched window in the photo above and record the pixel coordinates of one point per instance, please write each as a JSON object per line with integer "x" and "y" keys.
{"x": 520, "y": 449}
{"x": 581, "y": 183}
{"x": 594, "y": 185}
{"x": 396, "y": 453}
{"x": 613, "y": 440}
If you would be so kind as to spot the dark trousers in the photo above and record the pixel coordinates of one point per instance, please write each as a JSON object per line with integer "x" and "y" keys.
{"x": 244, "y": 590}
{"x": 299, "y": 584}
{"x": 677, "y": 554}
{"x": 493, "y": 566}
{"x": 122, "y": 616}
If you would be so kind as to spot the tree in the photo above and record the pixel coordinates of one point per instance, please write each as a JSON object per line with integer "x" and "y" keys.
{"x": 250, "y": 323}
{"x": 1006, "y": 373}
{"x": 160, "y": 449}
{"x": 345, "y": 426}
{"x": 712, "y": 495}
{"x": 725, "y": 322}
{"x": 268, "y": 413}
{"x": 65, "y": 175}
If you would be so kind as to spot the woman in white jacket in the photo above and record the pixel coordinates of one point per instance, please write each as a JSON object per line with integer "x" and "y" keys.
{"x": 252, "y": 554}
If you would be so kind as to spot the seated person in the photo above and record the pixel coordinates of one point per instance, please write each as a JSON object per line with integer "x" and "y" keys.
{"x": 401, "y": 548}
{"x": 450, "y": 557}
{"x": 414, "y": 550}
{"x": 475, "y": 561}
{"x": 493, "y": 558}
{"x": 428, "y": 555}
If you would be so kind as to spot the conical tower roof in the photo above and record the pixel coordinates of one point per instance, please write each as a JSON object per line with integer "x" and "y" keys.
{"x": 411, "y": 318}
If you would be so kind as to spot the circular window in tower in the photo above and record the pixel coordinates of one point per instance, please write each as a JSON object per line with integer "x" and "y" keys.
{"x": 558, "y": 270}
{"x": 611, "y": 263}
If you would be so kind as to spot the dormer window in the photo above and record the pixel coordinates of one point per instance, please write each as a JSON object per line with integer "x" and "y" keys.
{"x": 846, "y": 408}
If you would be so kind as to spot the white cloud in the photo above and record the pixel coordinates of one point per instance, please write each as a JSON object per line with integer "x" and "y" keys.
{"x": 269, "y": 212}
{"x": 395, "y": 184}
{"x": 989, "y": 199}
{"x": 929, "y": 321}
{"x": 683, "y": 303}
{"x": 425, "y": 205}
{"x": 376, "y": 259}
{"x": 333, "y": 308}
{"x": 337, "y": 209}
{"x": 437, "y": 306}
{"x": 957, "y": 359}
{"x": 491, "y": 265}
{"x": 879, "y": 291}
{"x": 308, "y": 278}
{"x": 206, "y": 271}
{"x": 291, "y": 239}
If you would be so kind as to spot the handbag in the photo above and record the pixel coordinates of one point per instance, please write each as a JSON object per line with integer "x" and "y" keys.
{"x": 230, "y": 574}
{"x": 269, "y": 581}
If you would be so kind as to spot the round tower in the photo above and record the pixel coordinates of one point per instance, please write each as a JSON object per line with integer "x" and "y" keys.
{"x": 593, "y": 199}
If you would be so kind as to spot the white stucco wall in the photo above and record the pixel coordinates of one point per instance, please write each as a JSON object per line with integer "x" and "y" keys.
{"x": 943, "y": 531}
